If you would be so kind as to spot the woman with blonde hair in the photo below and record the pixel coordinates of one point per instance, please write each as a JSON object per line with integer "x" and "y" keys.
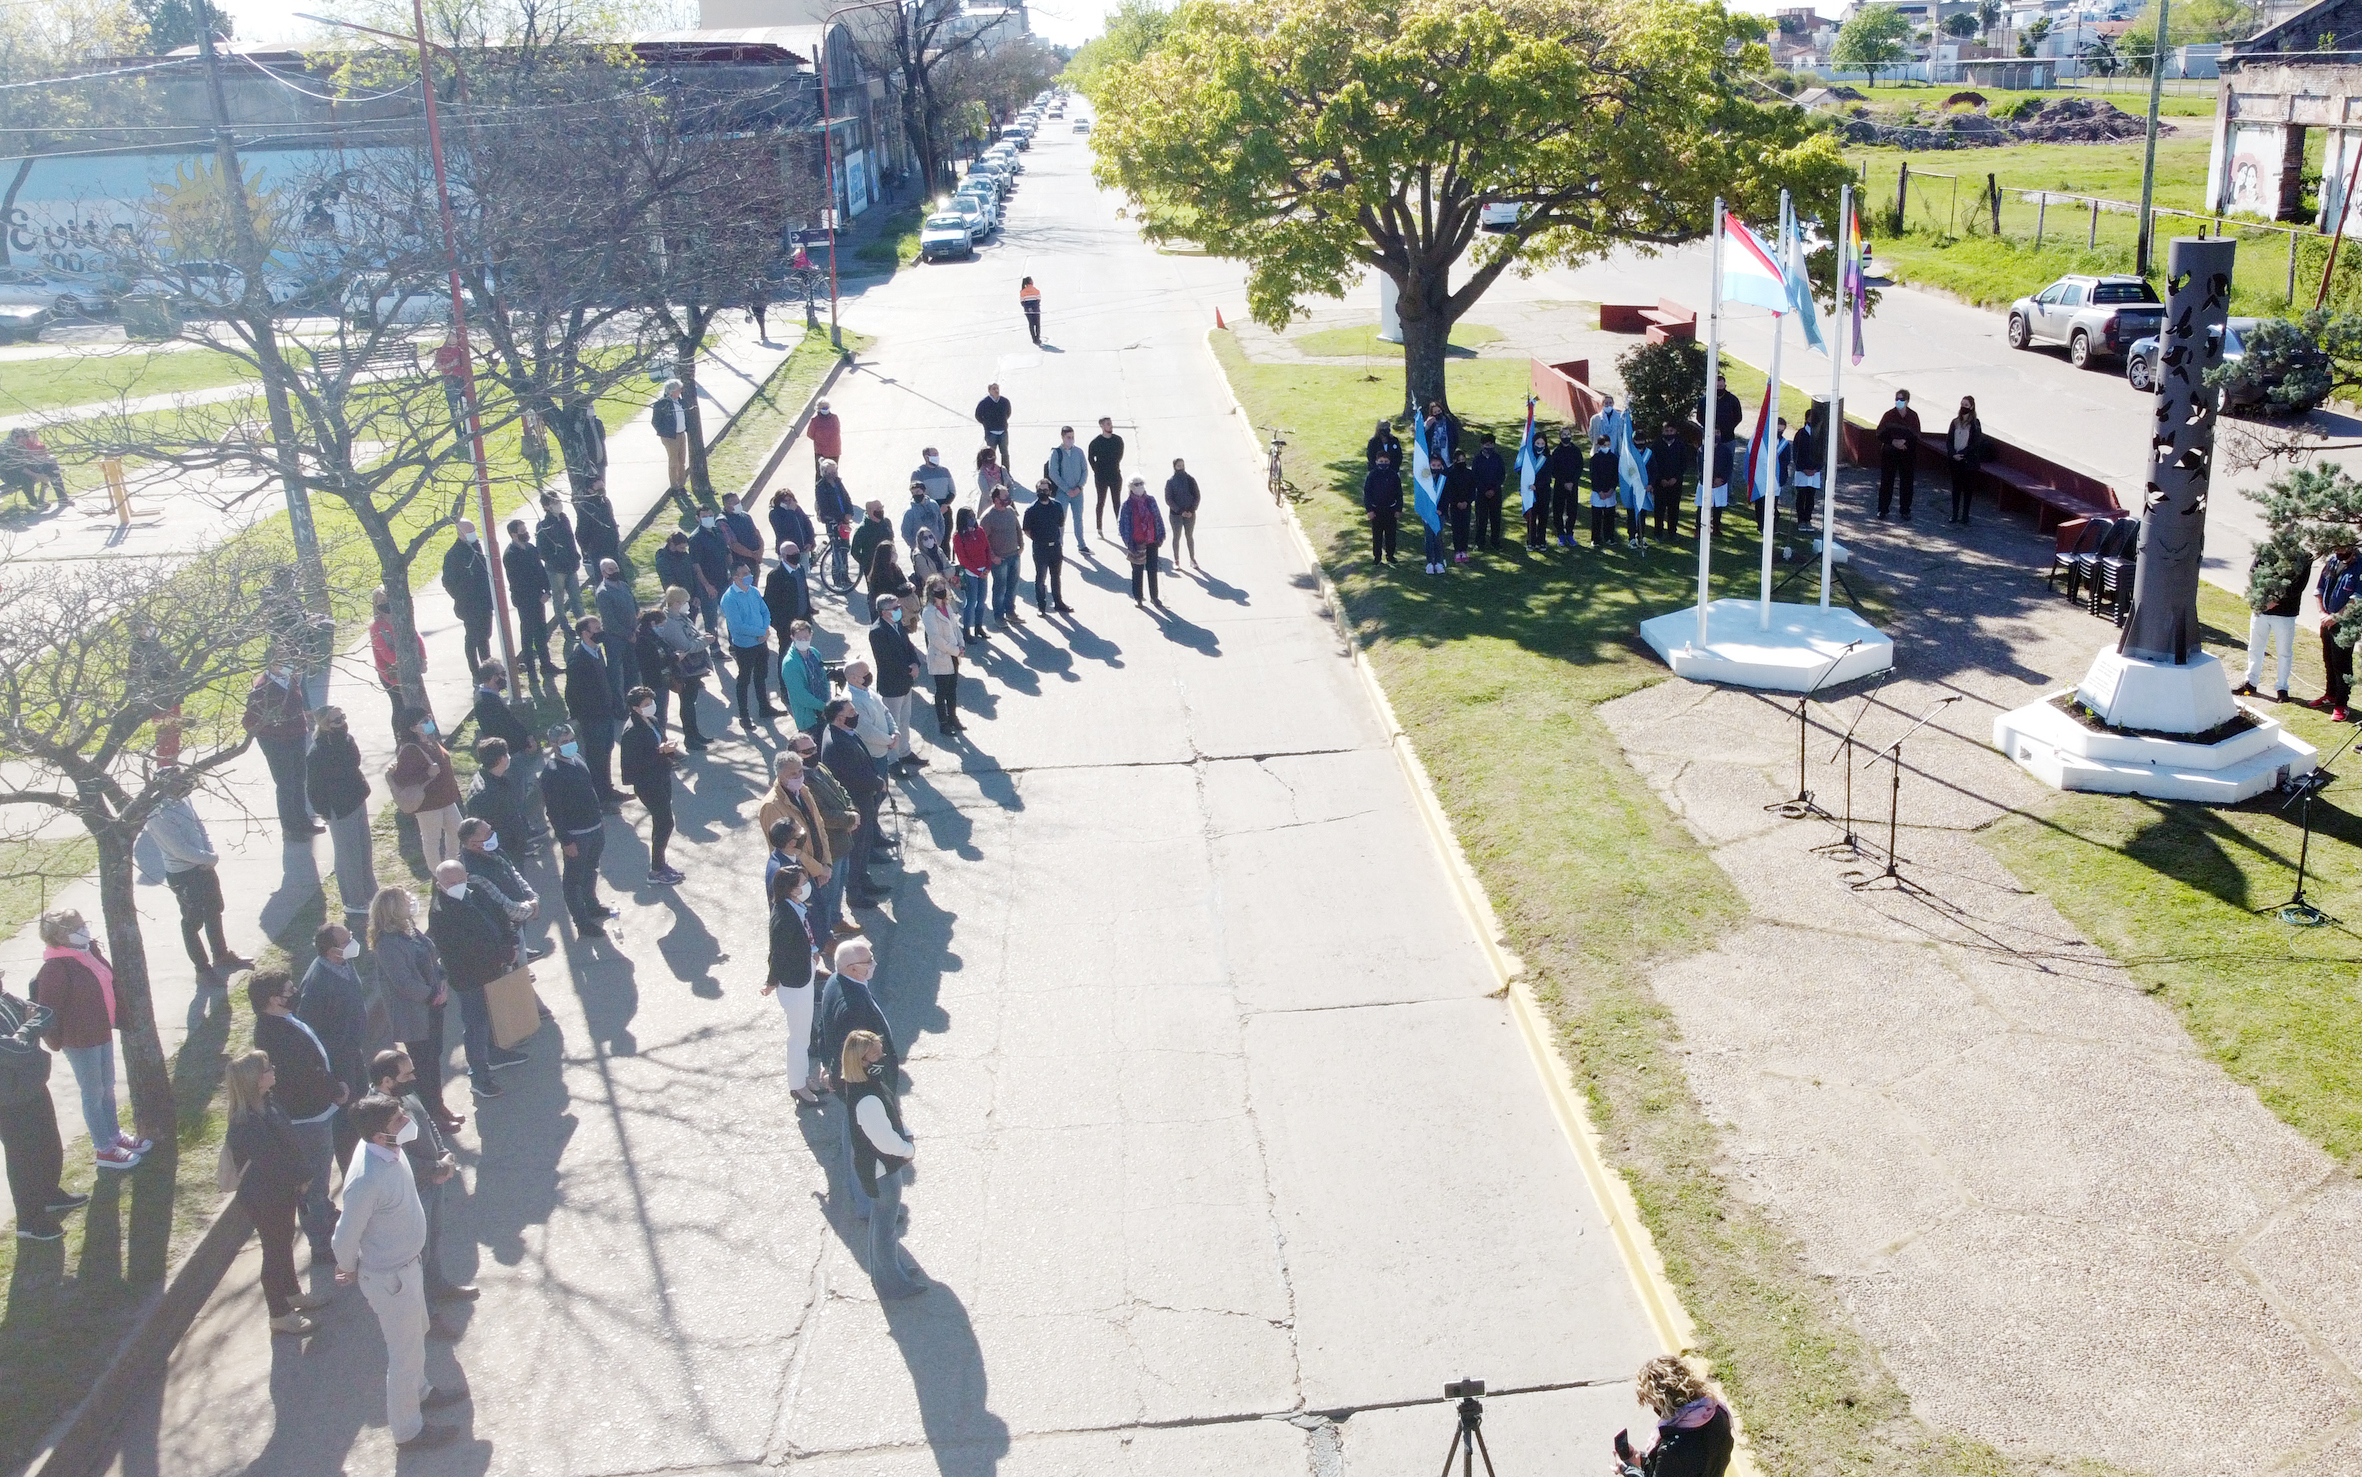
{"x": 410, "y": 975}
{"x": 940, "y": 625}
{"x": 1693, "y": 1428}
{"x": 687, "y": 660}
{"x": 881, "y": 1151}
{"x": 272, "y": 1175}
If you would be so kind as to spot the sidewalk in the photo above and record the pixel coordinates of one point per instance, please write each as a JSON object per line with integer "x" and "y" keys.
{"x": 266, "y": 881}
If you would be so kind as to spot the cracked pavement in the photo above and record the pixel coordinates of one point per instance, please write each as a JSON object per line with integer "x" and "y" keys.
{"x": 1229, "y": 1154}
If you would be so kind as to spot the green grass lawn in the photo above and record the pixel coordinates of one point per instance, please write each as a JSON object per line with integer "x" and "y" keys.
{"x": 1497, "y": 674}
{"x": 897, "y": 244}
{"x": 1363, "y": 342}
{"x": 131, "y": 373}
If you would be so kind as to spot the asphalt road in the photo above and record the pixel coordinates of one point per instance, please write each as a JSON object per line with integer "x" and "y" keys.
{"x": 1229, "y": 1157}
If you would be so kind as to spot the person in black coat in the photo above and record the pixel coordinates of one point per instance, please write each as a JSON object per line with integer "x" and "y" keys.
{"x": 896, "y": 660}
{"x": 1564, "y": 469}
{"x": 28, "y": 1121}
{"x": 1672, "y": 478}
{"x": 1492, "y": 473}
{"x": 308, "y": 1088}
{"x": 578, "y": 821}
{"x": 1458, "y": 496}
{"x": 467, "y": 579}
{"x": 845, "y": 757}
{"x": 596, "y": 533}
{"x": 1381, "y": 499}
{"x": 655, "y": 661}
{"x": 648, "y": 770}
{"x": 492, "y": 713}
{"x": 560, "y": 556}
{"x": 1044, "y": 524}
{"x": 784, "y": 597}
{"x": 1383, "y": 444}
{"x": 528, "y": 595}
{"x": 272, "y": 1176}
{"x": 592, "y": 704}
{"x": 339, "y": 794}
{"x": 1694, "y": 1435}
{"x": 471, "y": 928}
{"x": 1964, "y": 448}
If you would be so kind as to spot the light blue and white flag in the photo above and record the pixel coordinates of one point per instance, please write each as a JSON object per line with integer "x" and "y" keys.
{"x": 1423, "y": 488}
{"x": 1800, "y": 283}
{"x": 1529, "y": 459}
{"x": 1631, "y": 469}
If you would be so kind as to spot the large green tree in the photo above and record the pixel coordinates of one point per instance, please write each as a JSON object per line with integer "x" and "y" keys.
{"x": 1313, "y": 139}
{"x": 1874, "y": 38}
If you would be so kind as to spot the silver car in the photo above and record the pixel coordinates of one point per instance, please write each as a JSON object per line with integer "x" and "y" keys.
{"x": 2094, "y": 317}
{"x": 65, "y": 294}
{"x": 2140, "y": 366}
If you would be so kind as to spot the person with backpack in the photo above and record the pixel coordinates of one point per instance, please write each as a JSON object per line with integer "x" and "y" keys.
{"x": 28, "y": 1123}
{"x": 1142, "y": 528}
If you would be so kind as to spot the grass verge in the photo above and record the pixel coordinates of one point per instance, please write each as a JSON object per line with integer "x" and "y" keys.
{"x": 1363, "y": 341}
{"x": 132, "y": 373}
{"x": 31, "y": 872}
{"x": 1497, "y": 675}
{"x": 897, "y": 243}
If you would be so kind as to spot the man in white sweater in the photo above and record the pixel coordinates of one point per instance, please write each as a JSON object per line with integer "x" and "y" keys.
{"x": 379, "y": 1241}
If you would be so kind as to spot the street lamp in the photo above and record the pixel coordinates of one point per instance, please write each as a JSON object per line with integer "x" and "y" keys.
{"x": 467, "y": 360}
{"x": 828, "y": 162}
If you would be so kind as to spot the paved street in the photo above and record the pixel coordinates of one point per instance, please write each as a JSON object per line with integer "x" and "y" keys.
{"x": 1228, "y": 1152}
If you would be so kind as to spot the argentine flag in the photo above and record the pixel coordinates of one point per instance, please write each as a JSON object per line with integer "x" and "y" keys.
{"x": 1423, "y": 488}
{"x": 1529, "y": 459}
{"x": 1800, "y": 283}
{"x": 1750, "y": 273}
{"x": 1631, "y": 469}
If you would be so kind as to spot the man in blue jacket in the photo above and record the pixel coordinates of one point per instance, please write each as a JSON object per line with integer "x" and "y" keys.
{"x": 749, "y": 623}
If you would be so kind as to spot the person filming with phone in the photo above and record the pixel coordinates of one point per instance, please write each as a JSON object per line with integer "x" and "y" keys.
{"x": 1693, "y": 1428}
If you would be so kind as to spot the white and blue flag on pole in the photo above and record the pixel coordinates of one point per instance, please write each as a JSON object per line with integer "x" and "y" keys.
{"x": 1800, "y": 283}
{"x": 1529, "y": 459}
{"x": 1423, "y": 488}
{"x": 1631, "y": 470}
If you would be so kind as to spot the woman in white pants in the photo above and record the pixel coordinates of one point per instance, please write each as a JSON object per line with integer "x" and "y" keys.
{"x": 794, "y": 952}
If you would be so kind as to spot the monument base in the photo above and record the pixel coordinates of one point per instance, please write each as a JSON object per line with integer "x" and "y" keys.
{"x": 1792, "y": 656}
{"x": 2154, "y": 729}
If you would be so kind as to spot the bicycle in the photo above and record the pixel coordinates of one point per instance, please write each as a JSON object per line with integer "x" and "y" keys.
{"x": 836, "y": 556}
{"x": 1282, "y": 490}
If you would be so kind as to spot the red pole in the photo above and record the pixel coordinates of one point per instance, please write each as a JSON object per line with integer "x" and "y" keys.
{"x": 828, "y": 164}
{"x": 467, "y": 363}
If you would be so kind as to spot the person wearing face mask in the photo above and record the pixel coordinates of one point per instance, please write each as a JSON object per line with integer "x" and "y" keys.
{"x": 308, "y": 1088}
{"x": 1898, "y": 452}
{"x": 847, "y": 1004}
{"x": 748, "y": 621}
{"x": 1067, "y": 469}
{"x": 579, "y": 819}
{"x": 560, "y": 555}
{"x": 619, "y": 612}
{"x": 924, "y": 515}
{"x": 787, "y": 590}
{"x": 467, "y": 579}
{"x": 77, "y": 986}
{"x": 939, "y": 626}
{"x": 789, "y": 971}
{"x": 882, "y": 1151}
{"x": 803, "y": 676}
{"x": 1964, "y": 445}
{"x": 740, "y": 533}
{"x": 933, "y": 478}
{"x": 930, "y": 558}
{"x": 674, "y": 569}
{"x": 276, "y": 716}
{"x": 379, "y": 1240}
{"x": 412, "y": 983}
{"x": 338, "y": 790}
{"x": 647, "y": 768}
{"x": 709, "y": 568}
{"x": 831, "y": 503}
{"x": 1045, "y": 525}
{"x": 991, "y": 476}
{"x": 28, "y": 1123}
{"x": 273, "y": 1174}
{"x": 595, "y": 705}
{"x": 1106, "y": 456}
{"x": 432, "y": 1165}
{"x": 1004, "y": 537}
{"x": 335, "y": 1004}
{"x": 972, "y": 554}
{"x": 1381, "y": 502}
{"x": 899, "y": 667}
{"x": 863, "y": 779}
{"x": 686, "y": 663}
{"x": 480, "y": 853}
{"x": 424, "y": 786}
{"x": 670, "y": 418}
{"x": 498, "y": 796}
{"x": 472, "y": 930}
{"x": 595, "y": 530}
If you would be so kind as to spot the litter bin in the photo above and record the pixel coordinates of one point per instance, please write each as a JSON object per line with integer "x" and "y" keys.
{"x": 149, "y": 315}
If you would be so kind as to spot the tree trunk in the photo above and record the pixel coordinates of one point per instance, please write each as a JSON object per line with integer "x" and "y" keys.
{"x": 693, "y": 326}
{"x": 143, "y": 1051}
{"x": 582, "y": 451}
{"x": 393, "y": 572}
{"x": 1426, "y": 334}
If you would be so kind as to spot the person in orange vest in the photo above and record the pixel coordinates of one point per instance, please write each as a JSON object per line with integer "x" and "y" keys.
{"x": 1029, "y": 297}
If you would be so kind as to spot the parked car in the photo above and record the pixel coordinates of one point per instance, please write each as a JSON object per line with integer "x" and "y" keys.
{"x": 24, "y": 321}
{"x": 1501, "y": 215}
{"x": 944, "y": 235}
{"x": 972, "y": 214}
{"x": 68, "y": 295}
{"x": 2239, "y": 392}
{"x": 2094, "y": 317}
{"x": 1082, "y": 125}
{"x": 984, "y": 202}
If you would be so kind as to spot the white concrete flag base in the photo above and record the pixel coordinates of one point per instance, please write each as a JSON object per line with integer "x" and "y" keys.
{"x": 1790, "y": 657}
{"x": 2158, "y": 699}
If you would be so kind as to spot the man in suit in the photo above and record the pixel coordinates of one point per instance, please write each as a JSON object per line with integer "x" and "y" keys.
{"x": 467, "y": 579}
{"x": 528, "y": 595}
{"x": 1898, "y": 452}
{"x": 472, "y": 930}
{"x": 335, "y": 1004}
{"x": 1491, "y": 474}
{"x": 841, "y": 752}
{"x": 595, "y": 706}
{"x": 579, "y": 820}
{"x": 1564, "y": 469}
{"x": 307, "y": 1088}
{"x": 899, "y": 667}
{"x": 846, "y": 1005}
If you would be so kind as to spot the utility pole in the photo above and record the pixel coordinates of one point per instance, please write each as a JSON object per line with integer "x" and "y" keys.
{"x": 2149, "y": 165}
{"x": 254, "y": 307}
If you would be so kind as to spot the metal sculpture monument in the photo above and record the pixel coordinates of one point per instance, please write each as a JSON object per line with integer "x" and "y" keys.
{"x": 2164, "y": 623}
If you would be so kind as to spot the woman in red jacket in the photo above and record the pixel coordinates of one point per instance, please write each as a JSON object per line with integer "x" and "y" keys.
{"x": 973, "y": 547}
{"x": 78, "y": 986}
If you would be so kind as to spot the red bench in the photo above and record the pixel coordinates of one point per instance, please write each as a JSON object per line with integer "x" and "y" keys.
{"x": 1565, "y": 389}
{"x": 2017, "y": 477}
{"x": 1666, "y": 321}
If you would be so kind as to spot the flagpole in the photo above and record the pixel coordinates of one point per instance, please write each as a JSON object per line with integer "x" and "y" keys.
{"x": 1770, "y": 508}
{"x": 1835, "y": 429}
{"x": 1706, "y": 426}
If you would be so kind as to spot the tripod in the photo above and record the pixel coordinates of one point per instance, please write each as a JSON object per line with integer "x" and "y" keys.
{"x": 1468, "y": 1441}
{"x": 1894, "y": 805}
{"x": 2296, "y": 912}
{"x": 1802, "y": 806}
{"x": 1850, "y": 845}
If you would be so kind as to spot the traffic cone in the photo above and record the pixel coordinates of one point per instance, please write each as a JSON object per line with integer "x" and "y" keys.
{"x": 1218, "y": 323}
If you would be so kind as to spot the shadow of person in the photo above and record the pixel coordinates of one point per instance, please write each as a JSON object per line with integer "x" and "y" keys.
{"x": 1220, "y": 589}
{"x": 1088, "y": 644}
{"x": 299, "y": 884}
{"x": 689, "y": 948}
{"x": 523, "y": 1136}
{"x": 1181, "y": 631}
{"x": 939, "y": 1348}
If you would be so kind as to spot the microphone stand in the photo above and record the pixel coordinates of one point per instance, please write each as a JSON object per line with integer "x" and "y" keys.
{"x": 1894, "y": 804}
{"x": 1850, "y": 845}
{"x": 1802, "y": 806}
{"x": 2296, "y": 912}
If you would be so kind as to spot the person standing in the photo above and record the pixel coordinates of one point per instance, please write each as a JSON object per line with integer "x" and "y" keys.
{"x": 1432, "y": 544}
{"x": 875, "y": 724}
{"x": 77, "y": 986}
{"x": 686, "y": 663}
{"x": 528, "y": 596}
{"x": 1898, "y": 452}
{"x": 467, "y": 579}
{"x": 2275, "y": 595}
{"x": 432, "y": 1166}
{"x": 792, "y": 530}
{"x": 410, "y": 978}
{"x": 1066, "y": 469}
{"x": 1029, "y": 297}
{"x": 1607, "y": 422}
{"x": 931, "y": 478}
{"x": 1381, "y": 500}
{"x": 2341, "y": 578}
{"x": 785, "y": 594}
{"x": 1181, "y": 500}
{"x": 882, "y": 1151}
{"x": 595, "y": 531}
{"x": 973, "y": 552}
{"x": 827, "y": 435}
{"x": 498, "y": 797}
{"x": 478, "y": 942}
{"x": 924, "y": 515}
{"x": 273, "y": 1174}
{"x": 592, "y": 703}
{"x": 189, "y": 863}
{"x": 832, "y": 506}
{"x": 1106, "y": 455}
{"x": 899, "y": 667}
{"x": 335, "y": 1004}
{"x": 789, "y": 970}
{"x": 863, "y": 778}
{"x": 578, "y": 819}
{"x": 670, "y": 418}
{"x": 1382, "y": 443}
{"x": 307, "y": 1087}
{"x": 648, "y": 770}
{"x": 382, "y": 655}
{"x": 939, "y": 625}
{"x": 709, "y": 569}
{"x": 1492, "y": 474}
{"x": 1603, "y": 490}
{"x": 840, "y": 821}
{"x": 1563, "y": 470}
{"x": 275, "y": 715}
{"x": 1808, "y": 462}
{"x": 1443, "y": 431}
{"x": 741, "y": 534}
{"x": 1005, "y": 539}
{"x": 991, "y": 477}
{"x": 846, "y": 1005}
{"x": 28, "y": 1123}
{"x": 1458, "y": 496}
{"x": 654, "y": 661}
{"x": 425, "y": 787}
{"x": 1964, "y": 445}
{"x": 748, "y": 621}
{"x": 1142, "y": 528}
{"x": 619, "y": 610}
{"x": 338, "y": 790}
{"x": 803, "y": 677}
{"x": 992, "y": 413}
{"x": 1671, "y": 476}
{"x": 561, "y": 558}
{"x": 1045, "y": 525}
{"x": 379, "y": 1240}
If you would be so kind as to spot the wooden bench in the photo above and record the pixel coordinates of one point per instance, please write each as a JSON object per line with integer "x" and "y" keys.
{"x": 386, "y": 356}
{"x": 1565, "y": 389}
{"x": 2017, "y": 477}
{"x": 1666, "y": 321}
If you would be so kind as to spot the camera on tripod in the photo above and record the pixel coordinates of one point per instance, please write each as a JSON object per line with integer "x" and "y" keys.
{"x": 1468, "y": 1438}
{"x": 1464, "y": 1390}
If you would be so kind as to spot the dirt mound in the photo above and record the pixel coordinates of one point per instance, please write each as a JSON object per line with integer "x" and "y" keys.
{"x": 2078, "y": 120}
{"x": 2066, "y": 120}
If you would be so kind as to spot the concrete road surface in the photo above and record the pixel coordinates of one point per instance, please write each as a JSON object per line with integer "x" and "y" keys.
{"x": 1229, "y": 1156}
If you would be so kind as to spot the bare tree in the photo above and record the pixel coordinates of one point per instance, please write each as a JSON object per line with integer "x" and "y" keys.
{"x": 921, "y": 45}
